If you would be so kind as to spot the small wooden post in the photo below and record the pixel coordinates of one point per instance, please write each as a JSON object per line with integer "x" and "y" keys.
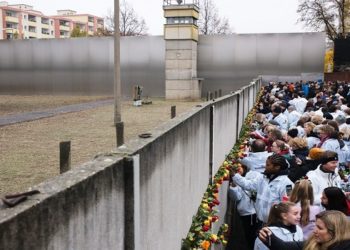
{"x": 211, "y": 96}
{"x": 65, "y": 156}
{"x": 216, "y": 94}
{"x": 173, "y": 111}
{"x": 220, "y": 92}
{"x": 119, "y": 130}
{"x": 208, "y": 95}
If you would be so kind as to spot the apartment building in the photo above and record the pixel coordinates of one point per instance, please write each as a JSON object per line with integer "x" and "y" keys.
{"x": 85, "y": 22}
{"x": 21, "y": 21}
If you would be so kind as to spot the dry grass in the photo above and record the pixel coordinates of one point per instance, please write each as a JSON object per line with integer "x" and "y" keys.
{"x": 30, "y": 150}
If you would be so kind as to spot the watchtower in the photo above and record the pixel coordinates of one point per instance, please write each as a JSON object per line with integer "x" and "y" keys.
{"x": 181, "y": 37}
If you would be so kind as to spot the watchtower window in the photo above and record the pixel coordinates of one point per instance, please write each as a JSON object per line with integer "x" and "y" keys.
{"x": 181, "y": 20}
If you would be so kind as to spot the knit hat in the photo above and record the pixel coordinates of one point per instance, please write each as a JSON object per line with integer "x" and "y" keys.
{"x": 326, "y": 158}
{"x": 316, "y": 153}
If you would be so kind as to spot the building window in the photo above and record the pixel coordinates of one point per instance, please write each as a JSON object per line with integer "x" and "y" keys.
{"x": 44, "y": 20}
{"x": 51, "y": 32}
{"x": 25, "y": 17}
{"x": 64, "y": 23}
{"x": 64, "y": 33}
{"x": 45, "y": 31}
{"x": 32, "y": 29}
{"x": 32, "y": 18}
{"x": 51, "y": 22}
{"x": 11, "y": 25}
{"x": 11, "y": 13}
{"x": 181, "y": 20}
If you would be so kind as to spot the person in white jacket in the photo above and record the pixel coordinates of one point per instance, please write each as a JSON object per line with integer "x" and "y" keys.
{"x": 325, "y": 175}
{"x": 245, "y": 201}
{"x": 270, "y": 187}
{"x": 299, "y": 103}
{"x": 256, "y": 159}
{"x": 280, "y": 118}
{"x": 283, "y": 222}
{"x": 293, "y": 116}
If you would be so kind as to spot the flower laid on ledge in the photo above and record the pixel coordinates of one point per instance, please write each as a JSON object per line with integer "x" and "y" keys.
{"x": 200, "y": 235}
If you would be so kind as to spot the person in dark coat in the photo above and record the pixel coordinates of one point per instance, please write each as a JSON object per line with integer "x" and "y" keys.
{"x": 313, "y": 159}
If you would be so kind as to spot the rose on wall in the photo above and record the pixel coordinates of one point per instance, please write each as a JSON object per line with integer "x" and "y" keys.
{"x": 200, "y": 235}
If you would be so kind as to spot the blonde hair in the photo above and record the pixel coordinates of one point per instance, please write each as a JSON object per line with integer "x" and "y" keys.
{"x": 338, "y": 227}
{"x": 297, "y": 143}
{"x": 317, "y": 119}
{"x": 310, "y": 125}
{"x": 303, "y": 193}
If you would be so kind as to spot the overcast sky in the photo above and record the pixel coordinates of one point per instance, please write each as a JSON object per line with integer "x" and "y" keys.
{"x": 254, "y": 16}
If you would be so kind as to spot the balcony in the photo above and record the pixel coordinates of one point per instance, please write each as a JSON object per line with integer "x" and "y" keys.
{"x": 45, "y": 26}
{"x": 11, "y": 19}
{"x": 64, "y": 28}
{"x": 32, "y": 23}
{"x": 46, "y": 36}
{"x": 11, "y": 31}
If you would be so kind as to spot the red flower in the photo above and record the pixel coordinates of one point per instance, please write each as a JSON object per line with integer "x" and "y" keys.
{"x": 205, "y": 228}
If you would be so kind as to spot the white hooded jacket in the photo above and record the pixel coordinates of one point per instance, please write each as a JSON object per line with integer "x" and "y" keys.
{"x": 320, "y": 180}
{"x": 268, "y": 192}
{"x": 245, "y": 203}
{"x": 256, "y": 161}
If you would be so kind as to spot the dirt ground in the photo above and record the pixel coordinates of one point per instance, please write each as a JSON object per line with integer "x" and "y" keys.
{"x": 30, "y": 150}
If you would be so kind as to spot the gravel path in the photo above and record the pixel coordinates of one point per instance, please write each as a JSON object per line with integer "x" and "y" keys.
{"x": 35, "y": 115}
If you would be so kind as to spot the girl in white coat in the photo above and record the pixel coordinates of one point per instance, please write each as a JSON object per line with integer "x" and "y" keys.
{"x": 283, "y": 222}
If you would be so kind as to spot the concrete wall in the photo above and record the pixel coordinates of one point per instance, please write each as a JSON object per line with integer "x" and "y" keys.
{"x": 225, "y": 61}
{"x": 143, "y": 196}
{"x": 173, "y": 177}
{"x": 82, "y": 209}
{"x": 226, "y": 129}
{"x": 85, "y": 65}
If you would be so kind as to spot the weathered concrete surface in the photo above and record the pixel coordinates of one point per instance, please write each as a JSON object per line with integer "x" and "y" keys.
{"x": 81, "y": 209}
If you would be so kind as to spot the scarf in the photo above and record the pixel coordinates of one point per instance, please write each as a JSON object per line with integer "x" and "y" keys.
{"x": 322, "y": 141}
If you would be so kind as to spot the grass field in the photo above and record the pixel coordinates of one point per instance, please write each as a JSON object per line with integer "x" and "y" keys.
{"x": 30, "y": 150}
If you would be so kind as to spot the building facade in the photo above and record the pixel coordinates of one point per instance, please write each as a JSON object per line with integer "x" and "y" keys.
{"x": 85, "y": 22}
{"x": 21, "y": 21}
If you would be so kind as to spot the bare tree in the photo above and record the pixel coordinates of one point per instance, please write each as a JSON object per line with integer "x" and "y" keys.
{"x": 130, "y": 24}
{"x": 325, "y": 15}
{"x": 209, "y": 20}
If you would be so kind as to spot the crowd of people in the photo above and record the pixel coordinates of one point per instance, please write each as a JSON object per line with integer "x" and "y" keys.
{"x": 294, "y": 185}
